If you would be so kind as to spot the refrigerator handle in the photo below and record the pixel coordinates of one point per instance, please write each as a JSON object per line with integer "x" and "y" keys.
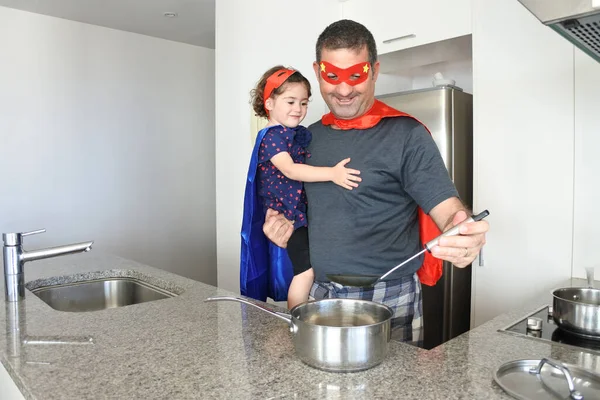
{"x": 481, "y": 262}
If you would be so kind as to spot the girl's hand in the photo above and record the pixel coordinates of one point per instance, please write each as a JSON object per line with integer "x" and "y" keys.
{"x": 345, "y": 177}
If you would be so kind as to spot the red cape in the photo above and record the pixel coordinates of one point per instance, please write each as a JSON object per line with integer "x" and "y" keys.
{"x": 431, "y": 270}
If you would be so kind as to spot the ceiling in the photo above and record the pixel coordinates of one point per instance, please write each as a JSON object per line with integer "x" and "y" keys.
{"x": 194, "y": 24}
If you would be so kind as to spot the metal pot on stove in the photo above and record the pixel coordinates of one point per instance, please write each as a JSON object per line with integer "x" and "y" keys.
{"x": 577, "y": 311}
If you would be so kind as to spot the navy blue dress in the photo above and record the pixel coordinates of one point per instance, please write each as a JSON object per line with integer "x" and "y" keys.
{"x": 276, "y": 190}
{"x": 265, "y": 268}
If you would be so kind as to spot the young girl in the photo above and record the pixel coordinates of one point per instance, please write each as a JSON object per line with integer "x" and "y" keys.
{"x": 278, "y": 169}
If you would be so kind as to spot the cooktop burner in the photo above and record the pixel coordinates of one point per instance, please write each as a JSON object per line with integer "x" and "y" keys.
{"x": 540, "y": 325}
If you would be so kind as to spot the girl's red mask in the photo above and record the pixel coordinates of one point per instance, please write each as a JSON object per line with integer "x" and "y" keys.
{"x": 353, "y": 75}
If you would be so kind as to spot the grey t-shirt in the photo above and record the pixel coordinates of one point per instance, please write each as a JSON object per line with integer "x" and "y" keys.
{"x": 374, "y": 227}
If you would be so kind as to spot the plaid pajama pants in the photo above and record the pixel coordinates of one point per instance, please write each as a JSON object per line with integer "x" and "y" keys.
{"x": 402, "y": 295}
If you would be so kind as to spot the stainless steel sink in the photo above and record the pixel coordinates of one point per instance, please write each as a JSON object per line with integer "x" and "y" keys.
{"x": 100, "y": 294}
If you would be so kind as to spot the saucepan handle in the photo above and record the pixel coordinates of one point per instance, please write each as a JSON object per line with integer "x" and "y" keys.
{"x": 283, "y": 316}
{"x": 574, "y": 394}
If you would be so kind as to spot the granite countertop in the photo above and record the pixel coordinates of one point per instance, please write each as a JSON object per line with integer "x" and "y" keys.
{"x": 184, "y": 348}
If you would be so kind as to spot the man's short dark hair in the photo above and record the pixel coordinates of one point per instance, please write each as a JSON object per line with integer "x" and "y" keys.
{"x": 347, "y": 34}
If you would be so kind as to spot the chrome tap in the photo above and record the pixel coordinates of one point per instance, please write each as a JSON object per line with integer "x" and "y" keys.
{"x": 15, "y": 258}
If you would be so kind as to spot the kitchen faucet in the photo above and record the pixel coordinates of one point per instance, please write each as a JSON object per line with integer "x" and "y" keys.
{"x": 15, "y": 258}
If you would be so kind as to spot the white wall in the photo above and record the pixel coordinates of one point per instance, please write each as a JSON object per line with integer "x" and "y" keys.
{"x": 523, "y": 155}
{"x": 586, "y": 251}
{"x": 460, "y": 71}
{"x": 453, "y": 58}
{"x": 108, "y": 135}
{"x": 422, "y": 77}
{"x": 391, "y": 83}
{"x": 248, "y": 42}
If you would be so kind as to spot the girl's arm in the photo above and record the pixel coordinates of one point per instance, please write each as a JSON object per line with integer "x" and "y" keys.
{"x": 339, "y": 174}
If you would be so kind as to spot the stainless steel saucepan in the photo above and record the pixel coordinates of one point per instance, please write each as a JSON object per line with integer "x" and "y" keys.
{"x": 577, "y": 310}
{"x": 339, "y": 335}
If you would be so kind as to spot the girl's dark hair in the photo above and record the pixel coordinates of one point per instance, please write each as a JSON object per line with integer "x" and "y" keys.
{"x": 347, "y": 34}
{"x": 256, "y": 95}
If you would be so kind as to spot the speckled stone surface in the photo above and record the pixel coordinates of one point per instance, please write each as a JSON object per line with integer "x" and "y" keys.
{"x": 184, "y": 348}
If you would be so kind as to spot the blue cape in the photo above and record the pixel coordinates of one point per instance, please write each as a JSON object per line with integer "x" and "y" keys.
{"x": 265, "y": 269}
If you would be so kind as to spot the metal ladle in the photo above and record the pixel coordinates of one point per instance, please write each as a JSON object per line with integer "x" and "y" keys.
{"x": 370, "y": 280}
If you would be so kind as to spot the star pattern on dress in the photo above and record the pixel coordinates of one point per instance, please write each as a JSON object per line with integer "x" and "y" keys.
{"x": 276, "y": 190}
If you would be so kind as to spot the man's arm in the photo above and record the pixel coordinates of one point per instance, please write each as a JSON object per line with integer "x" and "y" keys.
{"x": 461, "y": 249}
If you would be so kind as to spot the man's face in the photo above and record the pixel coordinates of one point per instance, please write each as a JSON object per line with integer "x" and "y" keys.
{"x": 346, "y": 101}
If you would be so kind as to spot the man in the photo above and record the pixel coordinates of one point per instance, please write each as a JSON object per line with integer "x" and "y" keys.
{"x": 373, "y": 228}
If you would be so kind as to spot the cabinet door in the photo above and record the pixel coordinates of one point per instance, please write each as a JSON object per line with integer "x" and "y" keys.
{"x": 586, "y": 252}
{"x": 523, "y": 157}
{"x": 400, "y": 24}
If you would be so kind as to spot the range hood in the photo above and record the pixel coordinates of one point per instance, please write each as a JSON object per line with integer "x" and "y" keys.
{"x": 576, "y": 20}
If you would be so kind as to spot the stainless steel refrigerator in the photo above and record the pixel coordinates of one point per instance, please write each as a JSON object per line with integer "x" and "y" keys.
{"x": 448, "y": 113}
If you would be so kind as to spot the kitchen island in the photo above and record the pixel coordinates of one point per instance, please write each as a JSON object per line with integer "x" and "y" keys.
{"x": 185, "y": 348}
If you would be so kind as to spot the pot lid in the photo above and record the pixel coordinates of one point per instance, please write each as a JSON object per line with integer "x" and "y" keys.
{"x": 547, "y": 378}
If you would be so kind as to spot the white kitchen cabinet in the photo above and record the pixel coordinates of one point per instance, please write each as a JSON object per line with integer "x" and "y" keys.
{"x": 401, "y": 24}
{"x": 586, "y": 252}
{"x": 523, "y": 155}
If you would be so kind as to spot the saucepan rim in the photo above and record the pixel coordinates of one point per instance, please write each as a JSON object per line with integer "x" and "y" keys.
{"x": 369, "y": 302}
{"x": 577, "y": 302}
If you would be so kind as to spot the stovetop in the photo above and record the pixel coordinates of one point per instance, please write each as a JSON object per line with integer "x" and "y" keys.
{"x": 550, "y": 332}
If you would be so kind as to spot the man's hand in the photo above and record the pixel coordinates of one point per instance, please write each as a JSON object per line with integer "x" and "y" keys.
{"x": 462, "y": 249}
{"x": 277, "y": 228}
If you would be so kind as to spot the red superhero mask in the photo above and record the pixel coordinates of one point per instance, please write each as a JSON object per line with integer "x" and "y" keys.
{"x": 353, "y": 75}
